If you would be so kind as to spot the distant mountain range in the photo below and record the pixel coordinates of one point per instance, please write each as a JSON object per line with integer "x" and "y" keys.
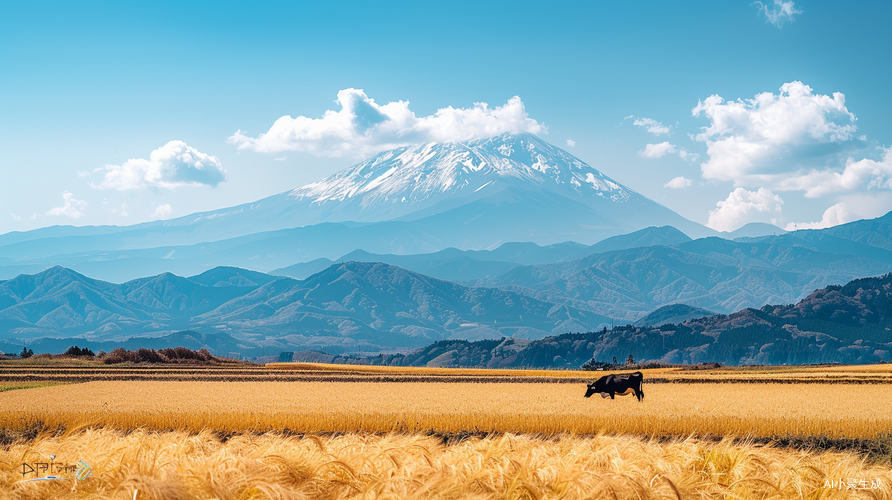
{"x": 350, "y": 306}
{"x": 342, "y": 308}
{"x": 626, "y": 277}
{"x": 368, "y": 307}
{"x": 711, "y": 273}
{"x": 470, "y": 265}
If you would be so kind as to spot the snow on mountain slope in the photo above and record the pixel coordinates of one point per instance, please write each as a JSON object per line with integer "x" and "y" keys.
{"x": 407, "y": 179}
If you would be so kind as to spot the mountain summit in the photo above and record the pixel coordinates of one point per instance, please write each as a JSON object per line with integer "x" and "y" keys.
{"x": 512, "y": 187}
{"x": 401, "y": 181}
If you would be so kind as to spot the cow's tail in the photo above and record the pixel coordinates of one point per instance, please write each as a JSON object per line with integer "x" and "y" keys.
{"x": 640, "y": 387}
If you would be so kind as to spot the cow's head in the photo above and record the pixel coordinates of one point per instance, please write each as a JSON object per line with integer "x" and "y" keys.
{"x": 599, "y": 385}
{"x": 590, "y": 389}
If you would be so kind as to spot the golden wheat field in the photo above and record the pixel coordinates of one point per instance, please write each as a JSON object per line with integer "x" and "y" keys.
{"x": 331, "y": 431}
{"x": 179, "y": 465}
{"x": 833, "y": 410}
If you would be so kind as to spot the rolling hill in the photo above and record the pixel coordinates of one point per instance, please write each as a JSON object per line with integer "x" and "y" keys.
{"x": 347, "y": 307}
{"x": 836, "y": 324}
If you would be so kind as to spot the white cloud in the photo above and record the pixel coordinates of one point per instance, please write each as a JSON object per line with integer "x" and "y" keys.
{"x": 657, "y": 150}
{"x": 571, "y": 142}
{"x": 86, "y": 174}
{"x": 162, "y": 211}
{"x": 661, "y": 149}
{"x": 678, "y": 183}
{"x": 833, "y": 216}
{"x": 687, "y": 155}
{"x": 742, "y": 207}
{"x": 281, "y": 158}
{"x": 652, "y": 126}
{"x": 173, "y": 165}
{"x": 362, "y": 127}
{"x": 779, "y": 12}
{"x": 71, "y": 207}
{"x": 754, "y": 141}
{"x": 862, "y": 175}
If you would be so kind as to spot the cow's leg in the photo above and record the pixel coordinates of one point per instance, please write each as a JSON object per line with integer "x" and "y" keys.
{"x": 640, "y": 391}
{"x": 612, "y": 394}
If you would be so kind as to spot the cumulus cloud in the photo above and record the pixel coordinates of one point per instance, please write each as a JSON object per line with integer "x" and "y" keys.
{"x": 862, "y": 175}
{"x": 657, "y": 150}
{"x": 362, "y": 127}
{"x": 795, "y": 140}
{"x": 742, "y": 207}
{"x": 779, "y": 12}
{"x": 162, "y": 211}
{"x": 71, "y": 207}
{"x": 678, "y": 183}
{"x": 833, "y": 216}
{"x": 171, "y": 166}
{"x": 571, "y": 142}
{"x": 652, "y": 126}
{"x": 756, "y": 140}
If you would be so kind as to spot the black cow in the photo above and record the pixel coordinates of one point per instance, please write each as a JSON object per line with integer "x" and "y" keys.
{"x": 622, "y": 385}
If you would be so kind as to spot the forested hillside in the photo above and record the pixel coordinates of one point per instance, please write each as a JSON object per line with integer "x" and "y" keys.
{"x": 836, "y": 324}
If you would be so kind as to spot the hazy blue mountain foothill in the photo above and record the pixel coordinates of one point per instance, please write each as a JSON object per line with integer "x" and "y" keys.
{"x": 673, "y": 313}
{"x": 471, "y": 265}
{"x": 450, "y": 264}
{"x": 710, "y": 273}
{"x": 869, "y": 238}
{"x": 753, "y": 229}
{"x": 647, "y": 237}
{"x": 348, "y": 307}
{"x": 303, "y": 270}
{"x": 468, "y": 195}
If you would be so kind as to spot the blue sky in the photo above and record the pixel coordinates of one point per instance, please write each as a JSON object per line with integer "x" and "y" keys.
{"x": 89, "y": 90}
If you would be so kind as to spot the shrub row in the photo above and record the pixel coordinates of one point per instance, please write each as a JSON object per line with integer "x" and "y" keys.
{"x": 171, "y": 355}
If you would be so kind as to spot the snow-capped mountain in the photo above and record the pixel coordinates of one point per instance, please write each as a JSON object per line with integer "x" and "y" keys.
{"x": 500, "y": 178}
{"x": 470, "y": 195}
{"x": 397, "y": 182}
